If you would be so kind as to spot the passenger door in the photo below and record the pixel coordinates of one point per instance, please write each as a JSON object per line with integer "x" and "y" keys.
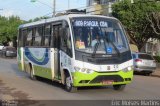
{"x": 57, "y": 31}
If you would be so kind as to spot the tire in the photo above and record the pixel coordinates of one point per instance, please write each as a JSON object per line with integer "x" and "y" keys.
{"x": 32, "y": 77}
{"x": 68, "y": 85}
{"x": 0, "y": 53}
{"x": 147, "y": 74}
{"x": 119, "y": 87}
{"x": 4, "y": 55}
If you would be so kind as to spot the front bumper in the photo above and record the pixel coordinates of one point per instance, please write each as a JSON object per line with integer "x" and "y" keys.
{"x": 97, "y": 79}
{"x": 144, "y": 68}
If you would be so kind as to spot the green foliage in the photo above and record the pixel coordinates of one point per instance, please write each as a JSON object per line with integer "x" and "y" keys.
{"x": 9, "y": 28}
{"x": 38, "y": 18}
{"x": 134, "y": 18}
{"x": 157, "y": 58}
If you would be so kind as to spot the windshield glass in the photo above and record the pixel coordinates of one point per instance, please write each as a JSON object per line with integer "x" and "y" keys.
{"x": 145, "y": 56}
{"x": 99, "y": 35}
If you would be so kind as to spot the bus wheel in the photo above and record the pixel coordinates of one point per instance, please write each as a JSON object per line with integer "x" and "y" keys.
{"x": 68, "y": 84}
{"x": 147, "y": 73}
{"x": 119, "y": 87}
{"x": 33, "y": 77}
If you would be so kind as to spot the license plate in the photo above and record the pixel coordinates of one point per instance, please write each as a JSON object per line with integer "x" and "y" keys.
{"x": 107, "y": 82}
{"x": 148, "y": 63}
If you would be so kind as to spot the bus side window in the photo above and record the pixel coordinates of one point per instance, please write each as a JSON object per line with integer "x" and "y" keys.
{"x": 22, "y": 35}
{"x": 55, "y": 37}
{"x": 68, "y": 39}
{"x": 29, "y": 37}
{"x": 19, "y": 38}
{"x": 47, "y": 36}
{"x": 37, "y": 36}
{"x": 66, "y": 44}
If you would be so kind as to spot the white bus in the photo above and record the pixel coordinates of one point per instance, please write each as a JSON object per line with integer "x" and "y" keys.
{"x": 76, "y": 50}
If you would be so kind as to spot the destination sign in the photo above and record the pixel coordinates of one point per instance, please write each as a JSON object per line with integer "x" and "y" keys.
{"x": 84, "y": 23}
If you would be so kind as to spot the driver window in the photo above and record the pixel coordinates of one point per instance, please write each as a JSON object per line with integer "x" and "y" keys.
{"x": 68, "y": 39}
{"x": 66, "y": 44}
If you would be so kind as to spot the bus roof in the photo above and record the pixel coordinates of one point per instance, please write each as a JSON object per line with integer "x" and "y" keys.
{"x": 64, "y": 17}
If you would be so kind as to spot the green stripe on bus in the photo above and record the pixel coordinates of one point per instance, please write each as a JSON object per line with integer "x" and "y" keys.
{"x": 43, "y": 72}
{"x": 20, "y": 66}
{"x": 19, "y": 54}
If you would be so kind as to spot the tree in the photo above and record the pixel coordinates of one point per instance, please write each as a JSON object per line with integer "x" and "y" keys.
{"x": 38, "y": 19}
{"x": 138, "y": 20}
{"x": 154, "y": 19}
{"x": 9, "y": 28}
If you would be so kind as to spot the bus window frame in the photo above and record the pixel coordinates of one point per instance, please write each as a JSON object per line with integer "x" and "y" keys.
{"x": 22, "y": 37}
{"x": 64, "y": 25}
{"x": 19, "y": 38}
{"x": 66, "y": 31}
{"x": 34, "y": 31}
{"x": 44, "y": 36}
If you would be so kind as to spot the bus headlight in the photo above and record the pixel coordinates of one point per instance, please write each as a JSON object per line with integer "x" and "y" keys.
{"x": 128, "y": 69}
{"x": 77, "y": 68}
{"x": 89, "y": 71}
{"x": 83, "y": 70}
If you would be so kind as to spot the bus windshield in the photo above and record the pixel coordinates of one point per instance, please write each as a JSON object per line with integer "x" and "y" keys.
{"x": 99, "y": 35}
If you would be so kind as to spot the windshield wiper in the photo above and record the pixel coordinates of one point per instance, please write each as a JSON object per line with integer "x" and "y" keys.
{"x": 108, "y": 40}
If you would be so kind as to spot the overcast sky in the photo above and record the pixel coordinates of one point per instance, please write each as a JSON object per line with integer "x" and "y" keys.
{"x": 30, "y": 10}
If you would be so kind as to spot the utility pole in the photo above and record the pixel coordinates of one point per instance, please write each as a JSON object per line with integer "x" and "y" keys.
{"x": 54, "y": 8}
{"x": 68, "y": 4}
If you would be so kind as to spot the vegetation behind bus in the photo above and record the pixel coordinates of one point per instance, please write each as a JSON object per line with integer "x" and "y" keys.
{"x": 140, "y": 19}
{"x": 8, "y": 29}
{"x": 9, "y": 26}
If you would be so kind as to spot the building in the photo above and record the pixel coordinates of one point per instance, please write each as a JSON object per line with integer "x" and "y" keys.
{"x": 152, "y": 47}
{"x": 100, "y": 7}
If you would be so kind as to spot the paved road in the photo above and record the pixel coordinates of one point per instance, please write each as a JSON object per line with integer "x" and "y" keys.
{"x": 17, "y": 85}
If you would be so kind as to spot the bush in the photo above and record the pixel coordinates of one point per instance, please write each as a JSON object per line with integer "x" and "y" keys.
{"x": 157, "y": 58}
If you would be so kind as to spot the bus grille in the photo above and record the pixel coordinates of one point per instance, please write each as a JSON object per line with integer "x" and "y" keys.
{"x": 101, "y": 78}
